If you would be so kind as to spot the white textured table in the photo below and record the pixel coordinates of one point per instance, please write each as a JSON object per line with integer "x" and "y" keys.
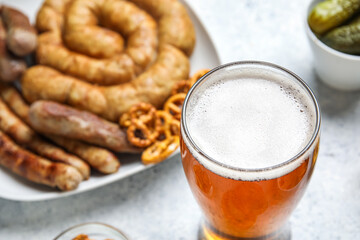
{"x": 157, "y": 204}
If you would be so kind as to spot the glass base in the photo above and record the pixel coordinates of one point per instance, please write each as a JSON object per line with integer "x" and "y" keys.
{"x": 208, "y": 233}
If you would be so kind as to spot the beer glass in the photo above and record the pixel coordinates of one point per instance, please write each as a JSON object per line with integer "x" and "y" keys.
{"x": 249, "y": 143}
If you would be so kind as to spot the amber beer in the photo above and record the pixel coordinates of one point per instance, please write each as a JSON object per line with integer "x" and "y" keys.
{"x": 249, "y": 143}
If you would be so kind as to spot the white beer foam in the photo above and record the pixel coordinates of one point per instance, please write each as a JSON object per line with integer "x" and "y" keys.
{"x": 250, "y": 119}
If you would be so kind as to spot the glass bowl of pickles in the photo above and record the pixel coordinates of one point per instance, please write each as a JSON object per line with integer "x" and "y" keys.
{"x": 333, "y": 30}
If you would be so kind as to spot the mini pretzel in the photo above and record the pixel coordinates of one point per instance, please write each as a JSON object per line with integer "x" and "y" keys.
{"x": 141, "y": 135}
{"x": 160, "y": 150}
{"x": 145, "y": 112}
{"x": 198, "y": 75}
{"x": 182, "y": 86}
{"x": 174, "y": 104}
{"x": 169, "y": 125}
{"x": 175, "y": 127}
{"x": 165, "y": 121}
{"x": 125, "y": 120}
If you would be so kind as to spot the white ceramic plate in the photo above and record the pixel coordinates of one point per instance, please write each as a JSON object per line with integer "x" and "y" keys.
{"x": 15, "y": 188}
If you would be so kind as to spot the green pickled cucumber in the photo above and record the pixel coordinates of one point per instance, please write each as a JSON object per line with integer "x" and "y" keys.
{"x": 345, "y": 38}
{"x": 331, "y": 13}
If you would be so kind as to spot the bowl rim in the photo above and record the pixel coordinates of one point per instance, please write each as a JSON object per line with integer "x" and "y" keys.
{"x": 322, "y": 45}
{"x": 105, "y": 225}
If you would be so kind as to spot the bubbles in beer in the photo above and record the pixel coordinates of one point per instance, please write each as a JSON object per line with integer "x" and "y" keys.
{"x": 251, "y": 123}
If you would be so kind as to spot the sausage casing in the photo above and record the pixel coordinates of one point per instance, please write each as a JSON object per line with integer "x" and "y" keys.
{"x": 35, "y": 168}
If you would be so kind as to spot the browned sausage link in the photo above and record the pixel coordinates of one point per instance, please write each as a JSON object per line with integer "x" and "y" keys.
{"x": 15, "y": 102}
{"x": 175, "y": 26}
{"x": 54, "y": 153}
{"x": 21, "y": 37}
{"x": 98, "y": 158}
{"x": 54, "y": 118}
{"x": 37, "y": 169}
{"x": 23, "y": 135}
{"x": 49, "y": 16}
{"x": 10, "y": 67}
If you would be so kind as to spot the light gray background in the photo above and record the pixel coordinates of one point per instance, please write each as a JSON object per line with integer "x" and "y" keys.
{"x": 157, "y": 204}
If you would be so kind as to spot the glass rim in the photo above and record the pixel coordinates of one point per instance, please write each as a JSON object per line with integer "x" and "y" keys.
{"x": 253, "y": 170}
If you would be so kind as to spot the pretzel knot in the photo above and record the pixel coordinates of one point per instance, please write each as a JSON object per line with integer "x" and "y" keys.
{"x": 142, "y": 134}
{"x": 125, "y": 120}
{"x": 145, "y": 112}
{"x": 174, "y": 105}
{"x": 182, "y": 86}
{"x": 198, "y": 75}
{"x": 165, "y": 124}
{"x": 169, "y": 125}
{"x": 175, "y": 127}
{"x": 160, "y": 150}
{"x": 142, "y": 123}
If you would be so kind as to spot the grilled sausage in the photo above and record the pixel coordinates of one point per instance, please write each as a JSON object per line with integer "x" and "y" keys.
{"x": 11, "y": 68}
{"x": 24, "y": 135}
{"x": 21, "y": 36}
{"x": 99, "y": 158}
{"x": 35, "y": 168}
{"x": 54, "y": 118}
{"x": 15, "y": 102}
{"x": 153, "y": 86}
